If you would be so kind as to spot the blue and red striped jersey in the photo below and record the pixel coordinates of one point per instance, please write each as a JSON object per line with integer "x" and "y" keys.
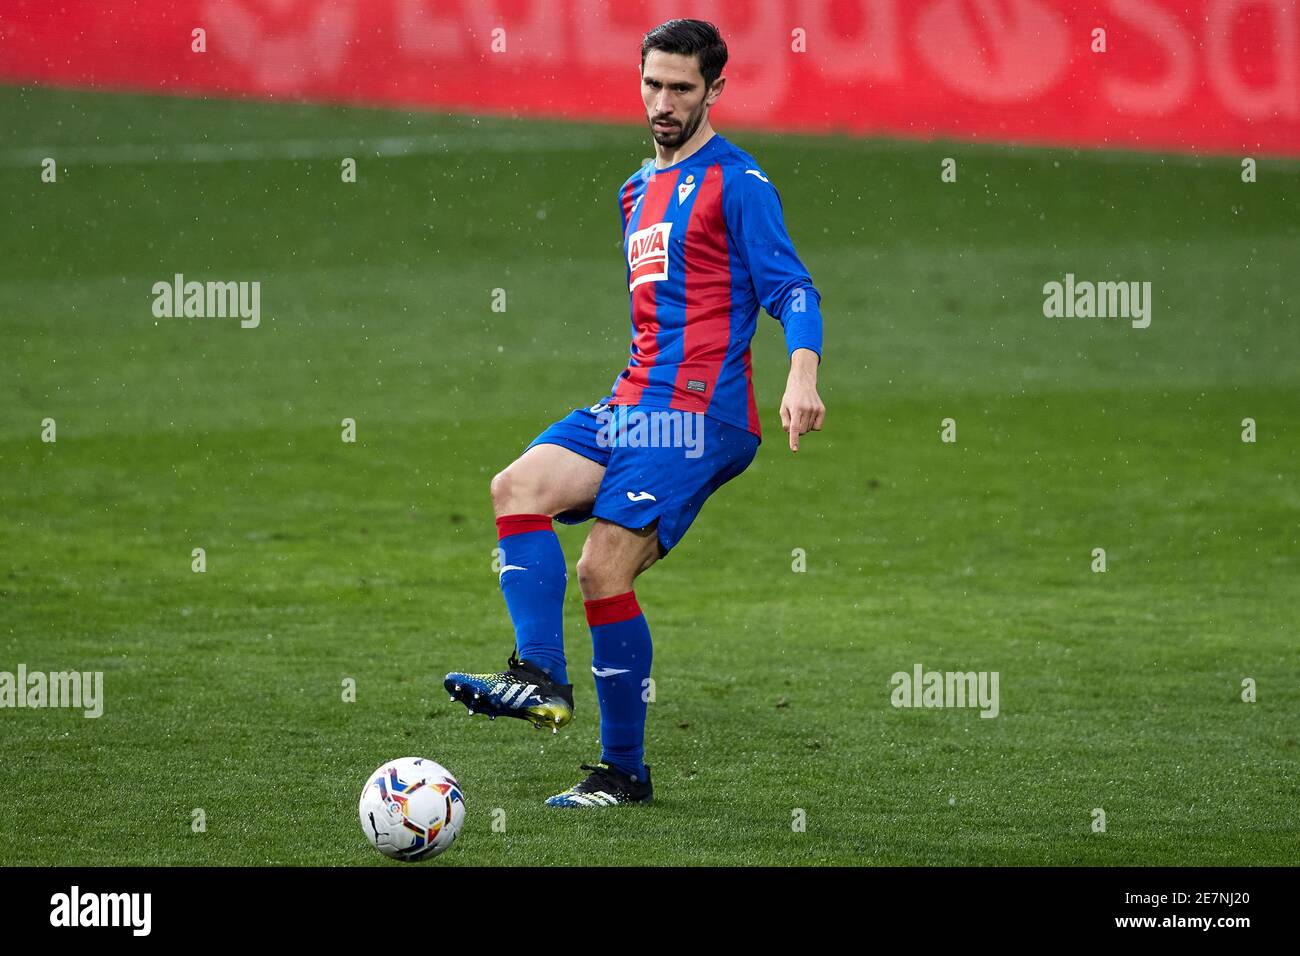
{"x": 706, "y": 246}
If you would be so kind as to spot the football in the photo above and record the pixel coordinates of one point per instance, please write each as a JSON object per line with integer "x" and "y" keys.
{"x": 411, "y": 809}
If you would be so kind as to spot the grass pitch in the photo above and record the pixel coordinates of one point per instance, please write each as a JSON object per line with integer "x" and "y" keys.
{"x": 372, "y": 561}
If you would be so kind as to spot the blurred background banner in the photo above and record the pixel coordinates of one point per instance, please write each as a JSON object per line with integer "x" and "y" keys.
{"x": 1197, "y": 75}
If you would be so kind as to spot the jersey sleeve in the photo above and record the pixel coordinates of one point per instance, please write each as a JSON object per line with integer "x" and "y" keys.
{"x": 756, "y": 226}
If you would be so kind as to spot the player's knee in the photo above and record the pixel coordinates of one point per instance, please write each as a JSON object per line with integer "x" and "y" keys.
{"x": 587, "y": 572}
{"x": 595, "y": 576}
{"x": 602, "y": 573}
{"x": 500, "y": 489}
{"x": 511, "y": 495}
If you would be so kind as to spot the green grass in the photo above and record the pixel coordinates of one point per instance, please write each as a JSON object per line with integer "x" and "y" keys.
{"x": 373, "y": 561}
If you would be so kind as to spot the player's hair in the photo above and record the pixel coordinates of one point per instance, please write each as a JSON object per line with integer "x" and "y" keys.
{"x": 689, "y": 38}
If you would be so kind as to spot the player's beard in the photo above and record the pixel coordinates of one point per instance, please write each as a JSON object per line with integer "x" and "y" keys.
{"x": 682, "y": 134}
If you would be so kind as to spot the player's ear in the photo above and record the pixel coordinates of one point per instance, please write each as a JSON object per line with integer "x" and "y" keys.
{"x": 715, "y": 91}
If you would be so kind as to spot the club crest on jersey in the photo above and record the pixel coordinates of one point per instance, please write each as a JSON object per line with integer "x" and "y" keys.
{"x": 647, "y": 254}
{"x": 685, "y": 189}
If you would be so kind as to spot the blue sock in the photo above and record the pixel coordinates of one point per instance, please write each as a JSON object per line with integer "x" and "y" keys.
{"x": 620, "y": 659}
{"x": 533, "y": 577}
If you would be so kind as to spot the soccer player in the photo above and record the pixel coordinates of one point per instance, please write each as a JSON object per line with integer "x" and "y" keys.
{"x": 706, "y": 246}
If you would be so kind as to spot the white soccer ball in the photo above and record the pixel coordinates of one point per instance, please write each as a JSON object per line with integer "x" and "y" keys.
{"x": 411, "y": 809}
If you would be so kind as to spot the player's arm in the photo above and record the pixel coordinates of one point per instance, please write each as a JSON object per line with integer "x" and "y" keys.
{"x": 786, "y": 291}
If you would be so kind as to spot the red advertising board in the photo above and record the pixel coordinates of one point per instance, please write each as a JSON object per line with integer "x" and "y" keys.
{"x": 1198, "y": 75}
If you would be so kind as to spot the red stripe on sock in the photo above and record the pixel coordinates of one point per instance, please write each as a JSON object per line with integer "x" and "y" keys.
{"x": 519, "y": 524}
{"x": 612, "y": 610}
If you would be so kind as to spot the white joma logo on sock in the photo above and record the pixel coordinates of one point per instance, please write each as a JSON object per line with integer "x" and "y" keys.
{"x": 511, "y": 567}
{"x": 607, "y": 671}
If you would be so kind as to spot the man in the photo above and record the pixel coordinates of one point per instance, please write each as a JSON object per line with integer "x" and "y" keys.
{"x": 706, "y": 246}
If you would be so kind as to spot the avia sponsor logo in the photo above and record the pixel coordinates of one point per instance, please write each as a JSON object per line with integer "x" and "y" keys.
{"x": 647, "y": 254}
{"x": 38, "y": 689}
{"x": 75, "y": 908}
{"x": 624, "y": 427}
{"x": 923, "y": 688}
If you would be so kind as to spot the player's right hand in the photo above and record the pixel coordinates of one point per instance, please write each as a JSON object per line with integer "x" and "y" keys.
{"x": 801, "y": 410}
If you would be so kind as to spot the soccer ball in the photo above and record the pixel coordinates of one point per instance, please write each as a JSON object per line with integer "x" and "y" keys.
{"x": 411, "y": 809}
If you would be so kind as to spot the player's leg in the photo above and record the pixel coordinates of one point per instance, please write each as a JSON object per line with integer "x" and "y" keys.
{"x": 549, "y": 479}
{"x": 545, "y": 481}
{"x": 647, "y": 500}
{"x": 621, "y": 651}
{"x": 611, "y": 559}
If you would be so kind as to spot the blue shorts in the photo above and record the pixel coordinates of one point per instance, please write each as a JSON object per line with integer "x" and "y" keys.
{"x": 661, "y": 465}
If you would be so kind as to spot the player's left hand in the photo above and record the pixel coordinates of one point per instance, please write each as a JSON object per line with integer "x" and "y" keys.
{"x": 801, "y": 407}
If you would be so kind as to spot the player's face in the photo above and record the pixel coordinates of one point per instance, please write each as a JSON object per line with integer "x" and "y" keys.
{"x": 675, "y": 98}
